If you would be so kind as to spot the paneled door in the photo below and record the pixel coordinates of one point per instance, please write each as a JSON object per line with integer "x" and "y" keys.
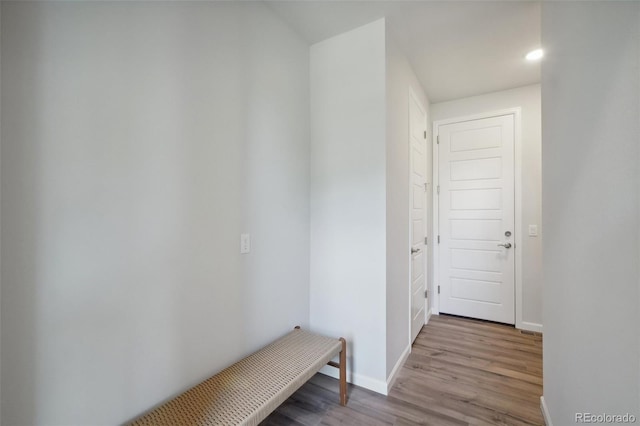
{"x": 418, "y": 182}
{"x": 476, "y": 218}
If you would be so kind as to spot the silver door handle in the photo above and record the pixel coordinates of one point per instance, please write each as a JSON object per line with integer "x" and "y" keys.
{"x": 505, "y": 245}
{"x": 414, "y": 250}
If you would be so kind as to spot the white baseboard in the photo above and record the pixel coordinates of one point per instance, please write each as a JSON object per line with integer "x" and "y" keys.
{"x": 428, "y": 317}
{"x": 397, "y": 367}
{"x": 530, "y": 326}
{"x": 366, "y": 382}
{"x": 545, "y": 412}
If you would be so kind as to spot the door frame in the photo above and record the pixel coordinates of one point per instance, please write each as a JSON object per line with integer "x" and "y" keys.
{"x": 426, "y": 272}
{"x": 517, "y": 164}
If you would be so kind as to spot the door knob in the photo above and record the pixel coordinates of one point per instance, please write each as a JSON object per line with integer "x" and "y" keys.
{"x": 505, "y": 245}
{"x": 414, "y": 250}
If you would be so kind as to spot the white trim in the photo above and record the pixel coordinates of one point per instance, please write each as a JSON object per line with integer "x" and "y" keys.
{"x": 366, "y": 382}
{"x": 435, "y": 202}
{"x": 545, "y": 412}
{"x": 409, "y": 183}
{"x": 517, "y": 146}
{"x": 530, "y": 326}
{"x": 518, "y": 213}
{"x": 397, "y": 367}
{"x": 480, "y": 116}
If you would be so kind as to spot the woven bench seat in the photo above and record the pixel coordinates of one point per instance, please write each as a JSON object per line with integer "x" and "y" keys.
{"x": 249, "y": 390}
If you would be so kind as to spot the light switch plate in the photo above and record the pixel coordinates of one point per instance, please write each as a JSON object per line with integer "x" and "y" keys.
{"x": 245, "y": 243}
{"x": 533, "y": 230}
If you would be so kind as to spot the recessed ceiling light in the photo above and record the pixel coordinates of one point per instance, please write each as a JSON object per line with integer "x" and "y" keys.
{"x": 535, "y": 55}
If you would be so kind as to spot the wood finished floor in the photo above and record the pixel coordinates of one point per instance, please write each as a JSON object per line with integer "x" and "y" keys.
{"x": 460, "y": 372}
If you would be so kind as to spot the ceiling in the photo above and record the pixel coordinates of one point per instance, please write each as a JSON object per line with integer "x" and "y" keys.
{"x": 456, "y": 48}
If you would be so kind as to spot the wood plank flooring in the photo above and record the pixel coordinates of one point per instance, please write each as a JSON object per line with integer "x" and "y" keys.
{"x": 460, "y": 372}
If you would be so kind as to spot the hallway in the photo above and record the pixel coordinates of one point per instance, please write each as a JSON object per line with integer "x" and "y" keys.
{"x": 460, "y": 372}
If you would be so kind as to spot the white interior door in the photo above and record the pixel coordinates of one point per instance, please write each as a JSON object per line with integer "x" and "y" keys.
{"x": 476, "y": 226}
{"x": 418, "y": 166}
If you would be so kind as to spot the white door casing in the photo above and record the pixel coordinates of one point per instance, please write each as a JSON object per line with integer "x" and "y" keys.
{"x": 476, "y": 211}
{"x": 418, "y": 211}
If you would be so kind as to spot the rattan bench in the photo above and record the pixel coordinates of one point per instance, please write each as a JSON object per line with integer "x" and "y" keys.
{"x": 249, "y": 390}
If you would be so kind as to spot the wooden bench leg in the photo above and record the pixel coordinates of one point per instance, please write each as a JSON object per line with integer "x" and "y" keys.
{"x": 343, "y": 373}
{"x": 342, "y": 367}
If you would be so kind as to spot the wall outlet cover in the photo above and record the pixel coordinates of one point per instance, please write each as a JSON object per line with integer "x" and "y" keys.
{"x": 245, "y": 243}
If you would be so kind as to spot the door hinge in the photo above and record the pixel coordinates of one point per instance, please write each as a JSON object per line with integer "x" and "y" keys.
{"x": 438, "y": 139}
{"x": 425, "y": 134}
{"x": 425, "y": 241}
{"x": 425, "y": 186}
{"x": 438, "y": 289}
{"x": 438, "y": 239}
{"x": 438, "y": 189}
{"x": 426, "y": 294}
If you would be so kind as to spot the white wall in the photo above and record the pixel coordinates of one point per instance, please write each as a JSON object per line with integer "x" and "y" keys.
{"x": 528, "y": 98}
{"x": 591, "y": 218}
{"x": 138, "y": 141}
{"x": 348, "y": 200}
{"x": 0, "y": 210}
{"x": 399, "y": 79}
